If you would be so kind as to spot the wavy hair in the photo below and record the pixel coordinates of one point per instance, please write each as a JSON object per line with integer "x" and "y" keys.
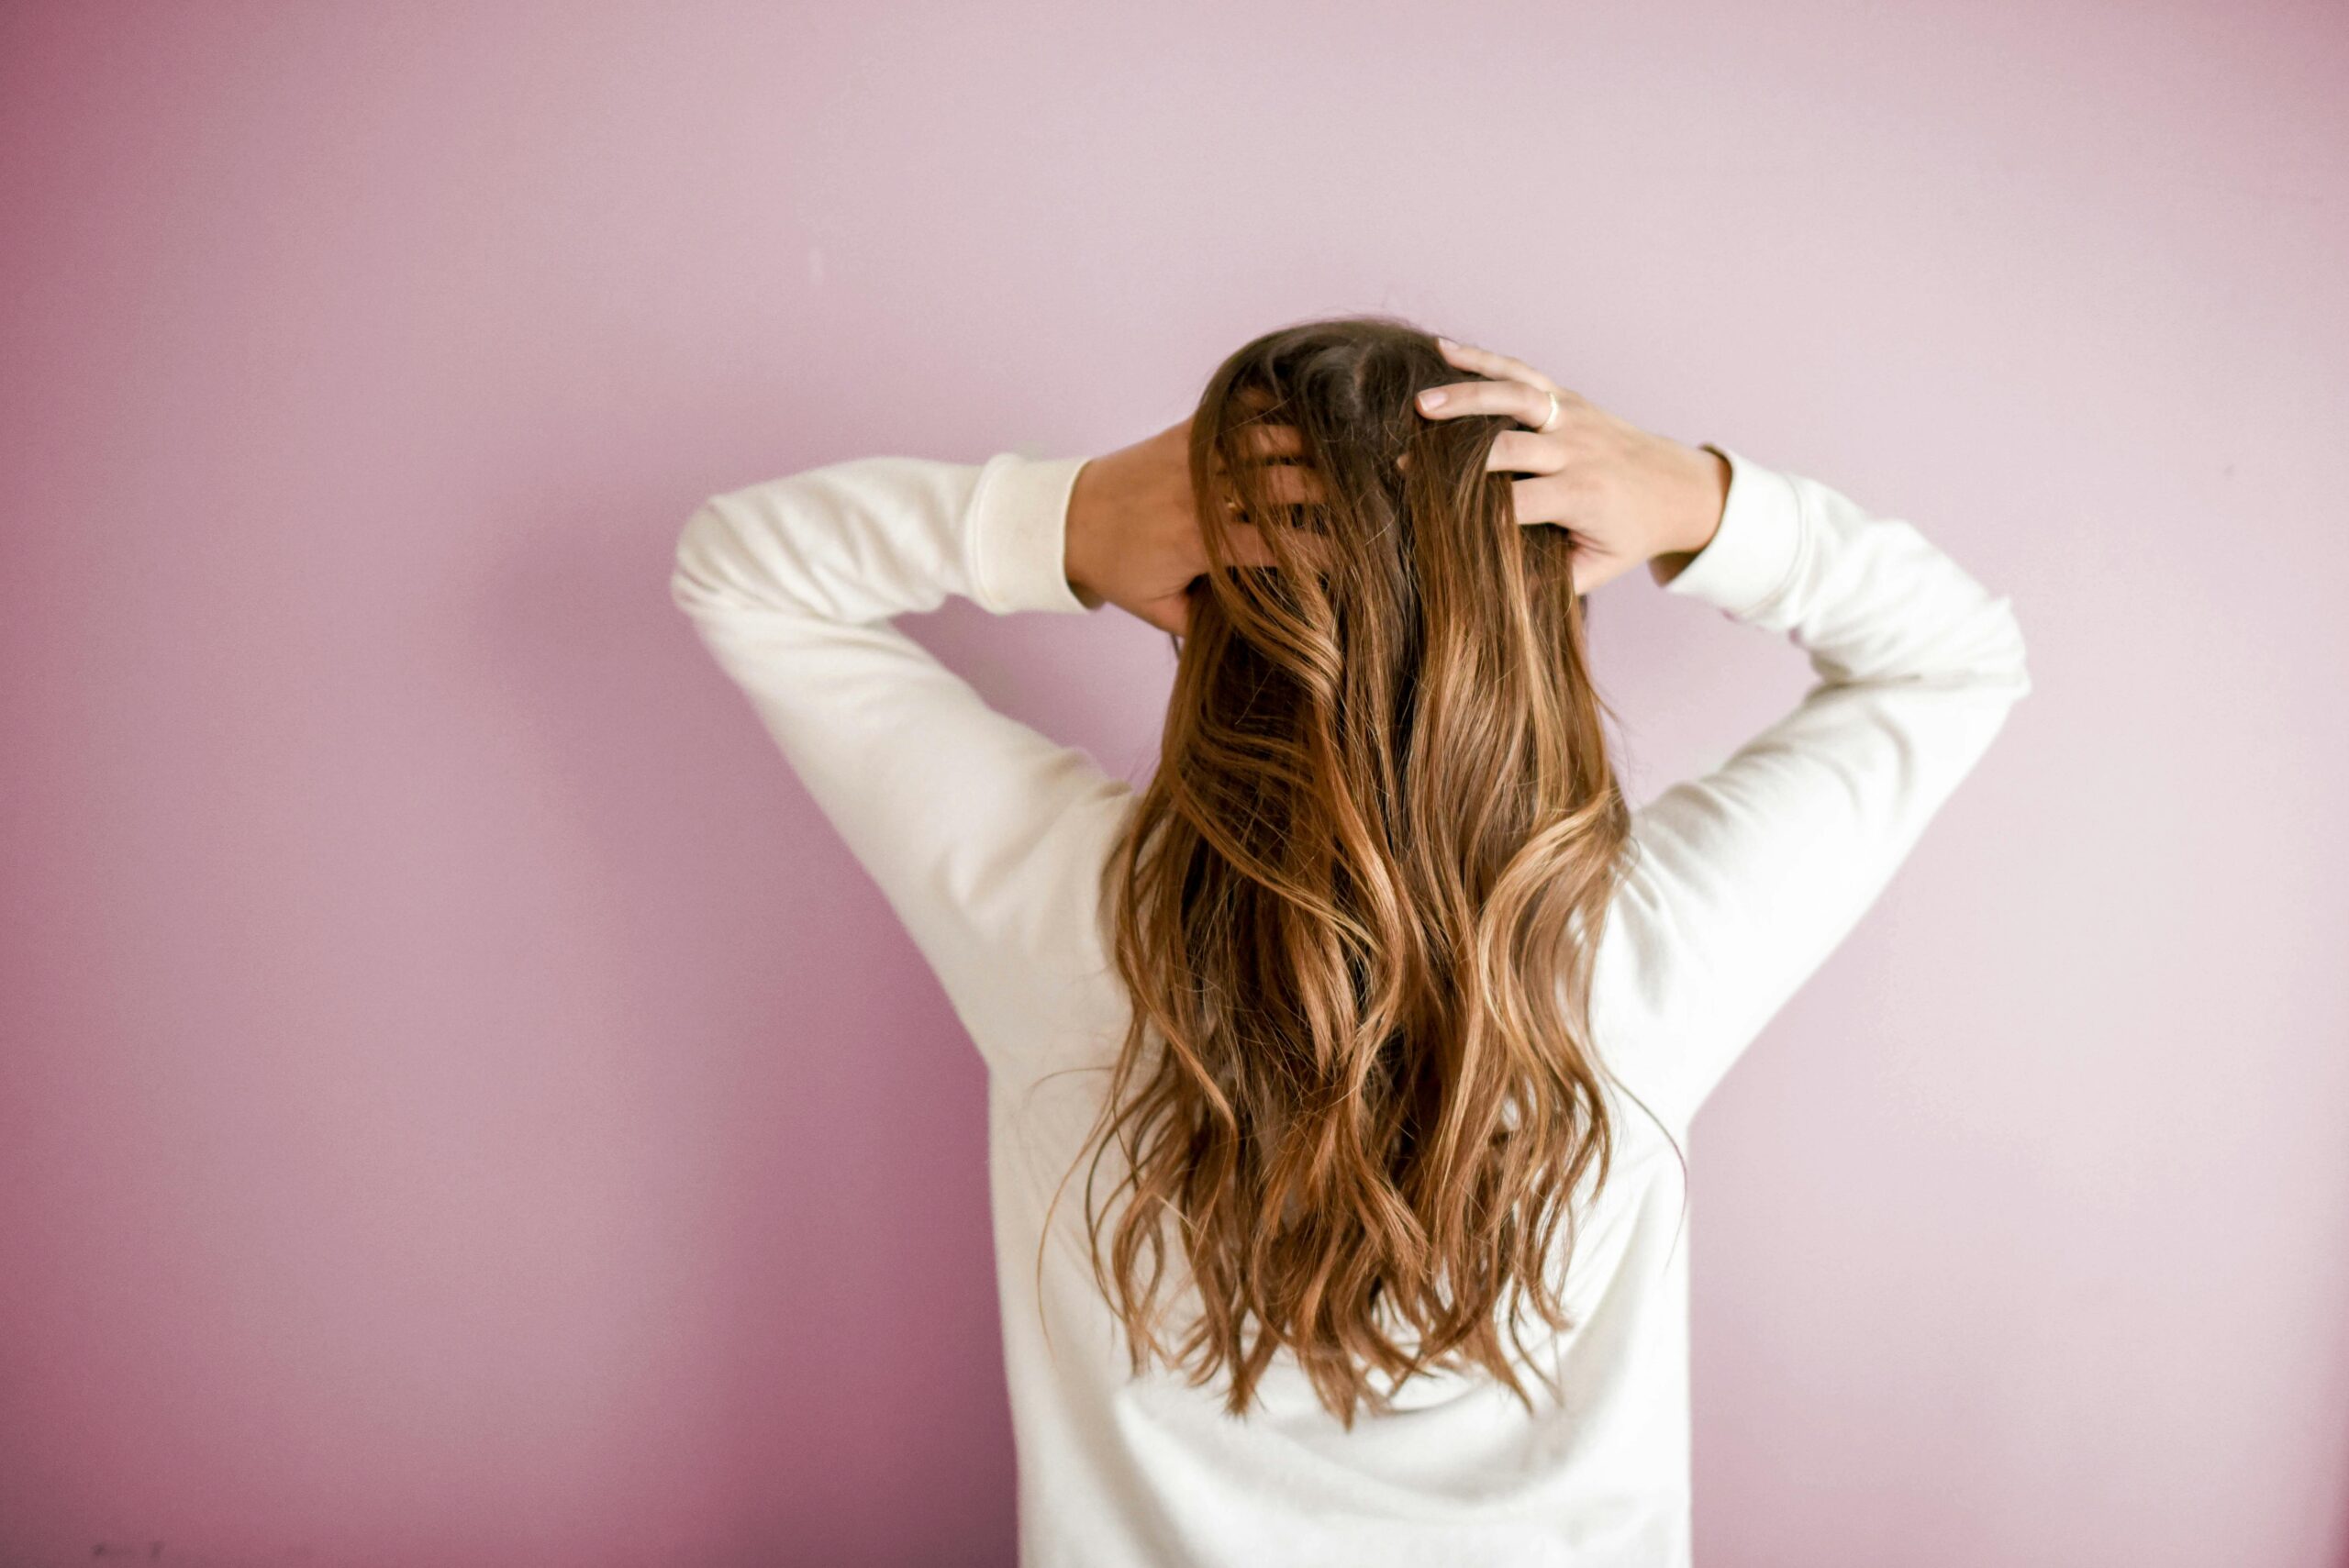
{"x": 1356, "y": 903}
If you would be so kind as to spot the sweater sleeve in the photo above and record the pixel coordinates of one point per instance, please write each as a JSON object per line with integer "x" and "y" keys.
{"x": 1742, "y": 881}
{"x": 984, "y": 834}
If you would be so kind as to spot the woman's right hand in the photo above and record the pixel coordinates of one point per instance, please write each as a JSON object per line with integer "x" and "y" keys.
{"x": 1625, "y": 495}
{"x": 1133, "y": 537}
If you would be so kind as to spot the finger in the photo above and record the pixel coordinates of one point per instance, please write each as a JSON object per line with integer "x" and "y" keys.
{"x": 1538, "y": 504}
{"x": 1286, "y": 485}
{"x": 1517, "y": 400}
{"x": 1545, "y": 500}
{"x": 1525, "y": 451}
{"x": 1170, "y": 613}
{"x": 1484, "y": 362}
{"x": 1245, "y": 544}
{"x": 1269, "y": 440}
{"x": 1291, "y": 484}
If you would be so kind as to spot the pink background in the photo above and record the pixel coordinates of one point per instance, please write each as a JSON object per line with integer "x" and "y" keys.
{"x": 461, "y": 1105}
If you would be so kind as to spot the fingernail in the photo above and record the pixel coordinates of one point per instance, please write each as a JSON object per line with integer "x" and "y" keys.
{"x": 1432, "y": 399}
{"x": 1447, "y": 342}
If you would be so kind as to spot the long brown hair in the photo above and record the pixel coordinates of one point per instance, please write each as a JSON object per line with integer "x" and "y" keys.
{"x": 1356, "y": 903}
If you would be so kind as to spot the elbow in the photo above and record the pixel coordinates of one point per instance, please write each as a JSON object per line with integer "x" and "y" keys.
{"x": 1996, "y": 659}
{"x": 2016, "y": 654}
{"x": 697, "y": 575}
{"x": 1983, "y": 652}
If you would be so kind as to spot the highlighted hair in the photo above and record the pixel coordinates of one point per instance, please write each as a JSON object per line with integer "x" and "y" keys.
{"x": 1356, "y": 904}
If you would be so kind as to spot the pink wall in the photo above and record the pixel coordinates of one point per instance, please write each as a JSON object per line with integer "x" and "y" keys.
{"x": 459, "y": 1103}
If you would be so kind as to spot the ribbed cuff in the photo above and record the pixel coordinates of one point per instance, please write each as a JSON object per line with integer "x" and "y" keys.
{"x": 1019, "y": 535}
{"x": 1751, "y": 556}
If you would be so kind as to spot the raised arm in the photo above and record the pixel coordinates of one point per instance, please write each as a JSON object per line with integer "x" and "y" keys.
{"x": 982, "y": 833}
{"x": 1743, "y": 880}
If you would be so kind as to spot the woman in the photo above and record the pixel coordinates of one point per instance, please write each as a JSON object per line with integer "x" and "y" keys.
{"x": 1374, "y": 1024}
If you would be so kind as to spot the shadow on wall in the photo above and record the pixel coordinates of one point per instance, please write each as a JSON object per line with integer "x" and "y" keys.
{"x": 800, "y": 1070}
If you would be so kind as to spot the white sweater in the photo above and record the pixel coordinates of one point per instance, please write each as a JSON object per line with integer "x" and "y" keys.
{"x": 986, "y": 837}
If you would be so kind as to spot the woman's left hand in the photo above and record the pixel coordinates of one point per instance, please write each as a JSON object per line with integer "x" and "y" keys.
{"x": 1626, "y": 496}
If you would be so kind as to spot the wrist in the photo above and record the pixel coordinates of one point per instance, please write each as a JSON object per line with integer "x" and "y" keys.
{"x": 1077, "y": 534}
{"x": 1706, "y": 499}
{"x": 1696, "y": 517}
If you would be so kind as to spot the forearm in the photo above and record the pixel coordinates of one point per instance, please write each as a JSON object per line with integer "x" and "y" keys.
{"x": 863, "y": 540}
{"x": 1746, "y": 876}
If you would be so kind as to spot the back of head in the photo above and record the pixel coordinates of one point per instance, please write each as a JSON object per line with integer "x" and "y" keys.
{"x": 1356, "y": 903}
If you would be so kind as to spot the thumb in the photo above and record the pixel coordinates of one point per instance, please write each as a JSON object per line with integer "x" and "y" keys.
{"x": 1169, "y": 612}
{"x": 1584, "y": 571}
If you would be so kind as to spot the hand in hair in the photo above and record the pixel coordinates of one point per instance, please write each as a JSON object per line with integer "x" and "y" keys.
{"x": 1133, "y": 534}
{"x": 1625, "y": 495}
